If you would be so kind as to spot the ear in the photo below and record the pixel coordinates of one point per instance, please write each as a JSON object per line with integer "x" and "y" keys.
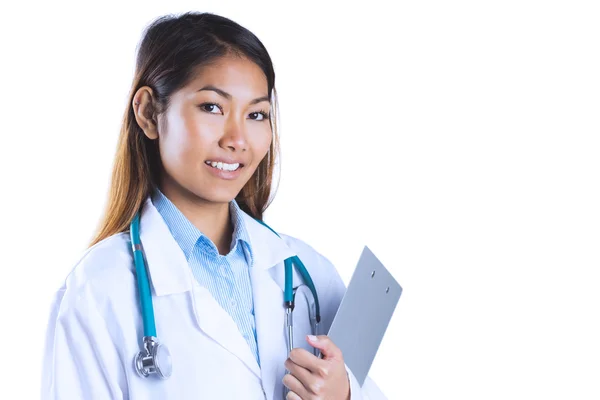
{"x": 145, "y": 111}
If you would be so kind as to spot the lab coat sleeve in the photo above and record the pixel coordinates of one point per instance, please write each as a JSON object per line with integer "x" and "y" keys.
{"x": 80, "y": 359}
{"x": 369, "y": 390}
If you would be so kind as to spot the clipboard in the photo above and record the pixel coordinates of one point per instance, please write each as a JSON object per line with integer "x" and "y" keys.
{"x": 364, "y": 313}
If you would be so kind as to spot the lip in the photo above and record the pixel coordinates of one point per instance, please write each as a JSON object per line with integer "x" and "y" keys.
{"x": 226, "y": 175}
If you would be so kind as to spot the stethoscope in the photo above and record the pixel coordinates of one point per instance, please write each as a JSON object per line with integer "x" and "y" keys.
{"x": 155, "y": 358}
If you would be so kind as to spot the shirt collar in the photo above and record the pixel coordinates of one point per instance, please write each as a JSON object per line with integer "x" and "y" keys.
{"x": 240, "y": 231}
{"x": 187, "y": 235}
{"x": 168, "y": 268}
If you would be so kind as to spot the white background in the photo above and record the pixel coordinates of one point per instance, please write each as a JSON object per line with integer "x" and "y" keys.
{"x": 459, "y": 140}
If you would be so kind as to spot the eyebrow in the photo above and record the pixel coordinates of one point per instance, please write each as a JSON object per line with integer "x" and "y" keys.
{"x": 228, "y": 96}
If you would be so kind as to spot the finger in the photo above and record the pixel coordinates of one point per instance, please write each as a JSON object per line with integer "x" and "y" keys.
{"x": 306, "y": 359}
{"x": 292, "y": 396}
{"x": 326, "y": 345}
{"x": 301, "y": 373}
{"x": 292, "y": 383}
{"x": 313, "y": 383}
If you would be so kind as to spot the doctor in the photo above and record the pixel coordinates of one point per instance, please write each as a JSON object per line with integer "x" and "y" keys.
{"x": 195, "y": 158}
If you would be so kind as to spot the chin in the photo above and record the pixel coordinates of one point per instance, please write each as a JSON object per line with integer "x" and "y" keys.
{"x": 217, "y": 196}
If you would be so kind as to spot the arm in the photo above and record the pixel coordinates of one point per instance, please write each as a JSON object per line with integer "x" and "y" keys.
{"x": 80, "y": 359}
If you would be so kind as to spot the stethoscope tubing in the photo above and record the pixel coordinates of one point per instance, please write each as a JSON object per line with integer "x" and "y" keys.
{"x": 142, "y": 279}
{"x": 145, "y": 361}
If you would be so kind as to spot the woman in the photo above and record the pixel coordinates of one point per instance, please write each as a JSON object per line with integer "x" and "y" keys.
{"x": 195, "y": 158}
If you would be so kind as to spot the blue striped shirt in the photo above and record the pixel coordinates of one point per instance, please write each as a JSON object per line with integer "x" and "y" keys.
{"x": 227, "y": 277}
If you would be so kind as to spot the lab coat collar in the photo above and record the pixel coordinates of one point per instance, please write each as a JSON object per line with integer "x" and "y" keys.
{"x": 269, "y": 249}
{"x": 167, "y": 266}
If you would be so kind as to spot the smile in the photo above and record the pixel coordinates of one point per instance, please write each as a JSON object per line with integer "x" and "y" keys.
{"x": 223, "y": 166}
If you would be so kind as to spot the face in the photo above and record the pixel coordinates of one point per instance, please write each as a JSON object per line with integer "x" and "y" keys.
{"x": 215, "y": 132}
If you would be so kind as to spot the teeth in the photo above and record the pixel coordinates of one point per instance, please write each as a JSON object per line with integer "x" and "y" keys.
{"x": 223, "y": 166}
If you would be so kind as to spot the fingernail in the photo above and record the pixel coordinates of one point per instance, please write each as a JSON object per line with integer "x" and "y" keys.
{"x": 313, "y": 338}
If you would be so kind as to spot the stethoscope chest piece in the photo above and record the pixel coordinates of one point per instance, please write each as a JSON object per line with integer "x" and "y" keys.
{"x": 155, "y": 358}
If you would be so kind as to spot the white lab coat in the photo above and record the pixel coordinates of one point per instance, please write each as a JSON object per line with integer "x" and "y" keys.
{"x": 95, "y": 326}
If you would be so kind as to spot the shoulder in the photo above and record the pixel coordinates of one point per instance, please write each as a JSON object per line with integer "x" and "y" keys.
{"x": 304, "y": 249}
{"x": 103, "y": 269}
{"x": 315, "y": 262}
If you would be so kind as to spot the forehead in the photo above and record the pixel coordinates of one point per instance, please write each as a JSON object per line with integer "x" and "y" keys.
{"x": 238, "y": 76}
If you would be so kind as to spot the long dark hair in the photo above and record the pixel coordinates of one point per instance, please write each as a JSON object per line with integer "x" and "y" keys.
{"x": 171, "y": 50}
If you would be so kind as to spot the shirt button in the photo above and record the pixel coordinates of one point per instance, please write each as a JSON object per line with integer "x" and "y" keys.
{"x": 233, "y": 303}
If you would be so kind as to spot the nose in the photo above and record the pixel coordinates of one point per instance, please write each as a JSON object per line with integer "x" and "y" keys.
{"x": 234, "y": 137}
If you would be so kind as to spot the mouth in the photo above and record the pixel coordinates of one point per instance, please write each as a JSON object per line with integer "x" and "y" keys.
{"x": 222, "y": 166}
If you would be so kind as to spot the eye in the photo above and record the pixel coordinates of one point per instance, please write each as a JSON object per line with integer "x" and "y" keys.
{"x": 210, "y": 107}
{"x": 262, "y": 114}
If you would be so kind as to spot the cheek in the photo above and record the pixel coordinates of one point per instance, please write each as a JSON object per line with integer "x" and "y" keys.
{"x": 262, "y": 143}
{"x": 174, "y": 147}
{"x": 181, "y": 146}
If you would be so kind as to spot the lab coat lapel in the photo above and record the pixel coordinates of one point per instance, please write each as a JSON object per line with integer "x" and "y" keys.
{"x": 215, "y": 322}
{"x": 269, "y": 315}
{"x": 269, "y": 252}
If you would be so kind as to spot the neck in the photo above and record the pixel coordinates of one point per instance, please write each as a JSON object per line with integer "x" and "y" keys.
{"x": 212, "y": 219}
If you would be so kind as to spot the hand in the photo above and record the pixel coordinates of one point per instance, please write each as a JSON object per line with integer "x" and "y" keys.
{"x": 313, "y": 378}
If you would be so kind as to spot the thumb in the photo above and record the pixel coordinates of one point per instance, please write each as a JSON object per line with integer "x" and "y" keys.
{"x": 326, "y": 345}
